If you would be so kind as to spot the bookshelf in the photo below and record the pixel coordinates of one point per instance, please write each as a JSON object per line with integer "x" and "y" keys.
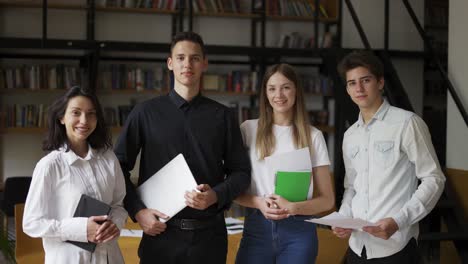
{"x": 303, "y": 9}
{"x": 136, "y": 10}
{"x": 73, "y": 5}
{"x": 299, "y": 15}
{"x": 28, "y": 86}
{"x": 91, "y": 50}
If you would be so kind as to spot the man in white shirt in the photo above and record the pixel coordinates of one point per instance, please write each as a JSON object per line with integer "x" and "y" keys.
{"x": 385, "y": 153}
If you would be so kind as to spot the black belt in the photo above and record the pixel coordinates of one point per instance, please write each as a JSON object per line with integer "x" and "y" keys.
{"x": 193, "y": 224}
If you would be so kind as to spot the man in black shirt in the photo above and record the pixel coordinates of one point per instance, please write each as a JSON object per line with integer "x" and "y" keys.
{"x": 208, "y": 136}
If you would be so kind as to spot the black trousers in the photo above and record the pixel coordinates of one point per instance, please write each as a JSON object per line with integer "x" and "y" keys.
{"x": 408, "y": 255}
{"x": 176, "y": 246}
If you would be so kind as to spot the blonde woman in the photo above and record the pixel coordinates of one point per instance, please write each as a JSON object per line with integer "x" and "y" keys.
{"x": 275, "y": 231}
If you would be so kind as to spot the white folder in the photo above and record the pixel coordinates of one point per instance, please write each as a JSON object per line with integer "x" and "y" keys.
{"x": 165, "y": 190}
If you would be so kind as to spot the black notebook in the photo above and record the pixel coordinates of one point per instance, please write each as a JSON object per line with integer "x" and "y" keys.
{"x": 87, "y": 207}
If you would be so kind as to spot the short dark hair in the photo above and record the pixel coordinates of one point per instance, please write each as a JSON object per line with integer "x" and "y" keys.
{"x": 361, "y": 58}
{"x": 188, "y": 36}
{"x": 56, "y": 135}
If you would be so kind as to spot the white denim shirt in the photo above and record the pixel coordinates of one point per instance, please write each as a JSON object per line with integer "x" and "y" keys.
{"x": 384, "y": 160}
{"x": 58, "y": 181}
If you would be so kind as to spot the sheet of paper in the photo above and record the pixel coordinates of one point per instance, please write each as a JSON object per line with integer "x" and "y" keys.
{"x": 337, "y": 220}
{"x": 234, "y": 225}
{"x": 165, "y": 190}
{"x": 233, "y": 221}
{"x": 234, "y": 231}
{"x": 297, "y": 160}
{"x": 131, "y": 233}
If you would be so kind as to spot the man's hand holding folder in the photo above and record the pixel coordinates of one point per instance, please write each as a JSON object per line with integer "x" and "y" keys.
{"x": 201, "y": 198}
{"x": 149, "y": 221}
{"x": 164, "y": 195}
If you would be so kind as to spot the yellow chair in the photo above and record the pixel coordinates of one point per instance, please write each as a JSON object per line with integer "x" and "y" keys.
{"x": 332, "y": 250}
{"x": 233, "y": 246}
{"x": 129, "y": 245}
{"x": 28, "y": 250}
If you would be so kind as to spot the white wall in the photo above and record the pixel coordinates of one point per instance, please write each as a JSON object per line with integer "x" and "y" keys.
{"x": 457, "y": 130}
{"x": 402, "y": 36}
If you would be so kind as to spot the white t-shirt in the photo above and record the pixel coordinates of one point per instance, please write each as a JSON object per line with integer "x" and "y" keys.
{"x": 263, "y": 183}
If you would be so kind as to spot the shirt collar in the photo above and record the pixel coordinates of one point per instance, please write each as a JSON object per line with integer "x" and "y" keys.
{"x": 379, "y": 115}
{"x": 179, "y": 101}
{"x": 71, "y": 157}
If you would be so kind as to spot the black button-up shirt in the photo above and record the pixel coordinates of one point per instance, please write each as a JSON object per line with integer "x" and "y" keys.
{"x": 165, "y": 126}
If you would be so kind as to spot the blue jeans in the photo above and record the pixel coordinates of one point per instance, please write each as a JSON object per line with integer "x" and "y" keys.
{"x": 291, "y": 240}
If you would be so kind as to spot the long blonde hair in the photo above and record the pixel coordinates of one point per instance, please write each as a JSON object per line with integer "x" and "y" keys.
{"x": 301, "y": 132}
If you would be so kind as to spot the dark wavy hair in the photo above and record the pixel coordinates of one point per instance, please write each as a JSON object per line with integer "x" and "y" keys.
{"x": 56, "y": 135}
{"x": 361, "y": 58}
{"x": 188, "y": 36}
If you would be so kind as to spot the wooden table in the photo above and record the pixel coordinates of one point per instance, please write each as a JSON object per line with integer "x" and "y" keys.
{"x": 331, "y": 248}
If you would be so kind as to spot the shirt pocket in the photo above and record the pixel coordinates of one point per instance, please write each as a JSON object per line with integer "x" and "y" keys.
{"x": 383, "y": 153}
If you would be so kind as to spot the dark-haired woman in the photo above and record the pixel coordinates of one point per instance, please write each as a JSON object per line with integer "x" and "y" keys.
{"x": 80, "y": 161}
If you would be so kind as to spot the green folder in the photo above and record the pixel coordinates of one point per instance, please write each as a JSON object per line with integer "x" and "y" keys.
{"x": 293, "y": 185}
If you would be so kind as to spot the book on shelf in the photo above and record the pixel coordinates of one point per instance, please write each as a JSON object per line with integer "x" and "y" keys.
{"x": 49, "y": 2}
{"x": 221, "y": 6}
{"x": 213, "y": 82}
{"x": 295, "y": 40}
{"x": 242, "y": 113}
{"x": 249, "y": 113}
{"x": 131, "y": 77}
{"x": 170, "y": 5}
{"x": 295, "y": 8}
{"x": 233, "y": 81}
{"x": 41, "y": 77}
{"x": 319, "y": 117}
{"x": 24, "y": 115}
{"x": 3, "y": 117}
{"x": 317, "y": 84}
